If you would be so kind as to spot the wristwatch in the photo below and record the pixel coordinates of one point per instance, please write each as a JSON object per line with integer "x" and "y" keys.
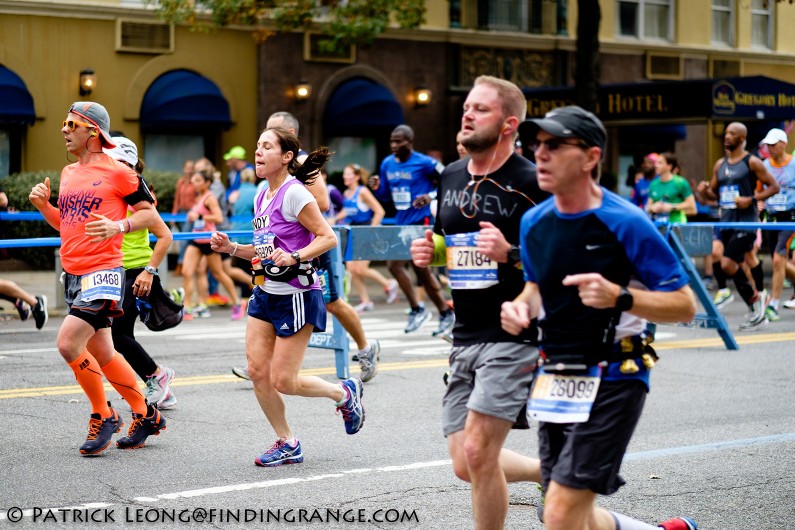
{"x": 296, "y": 256}
{"x": 151, "y": 270}
{"x": 624, "y": 301}
{"x": 514, "y": 255}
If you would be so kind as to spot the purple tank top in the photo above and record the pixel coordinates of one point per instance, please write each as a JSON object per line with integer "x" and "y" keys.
{"x": 272, "y": 230}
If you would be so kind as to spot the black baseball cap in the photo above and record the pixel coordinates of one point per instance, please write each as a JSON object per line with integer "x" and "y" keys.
{"x": 569, "y": 122}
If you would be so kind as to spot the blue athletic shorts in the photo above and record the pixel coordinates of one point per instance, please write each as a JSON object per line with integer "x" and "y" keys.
{"x": 288, "y": 313}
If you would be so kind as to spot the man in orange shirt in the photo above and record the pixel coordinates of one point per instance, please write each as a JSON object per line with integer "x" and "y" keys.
{"x": 91, "y": 217}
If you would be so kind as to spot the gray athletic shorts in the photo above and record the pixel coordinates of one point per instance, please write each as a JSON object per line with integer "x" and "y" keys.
{"x": 492, "y": 378}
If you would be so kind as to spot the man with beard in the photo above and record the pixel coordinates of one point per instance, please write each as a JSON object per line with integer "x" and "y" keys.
{"x": 481, "y": 200}
{"x": 733, "y": 183}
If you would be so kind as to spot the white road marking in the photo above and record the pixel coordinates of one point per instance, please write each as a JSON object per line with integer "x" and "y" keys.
{"x": 216, "y": 490}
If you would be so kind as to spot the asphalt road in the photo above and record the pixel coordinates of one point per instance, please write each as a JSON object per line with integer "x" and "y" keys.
{"x": 716, "y": 442}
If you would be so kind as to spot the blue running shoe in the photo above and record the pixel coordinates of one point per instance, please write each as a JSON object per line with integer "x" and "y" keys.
{"x": 281, "y": 453}
{"x": 142, "y": 428}
{"x": 352, "y": 410}
{"x": 446, "y": 323}
{"x": 679, "y": 523}
{"x": 99, "y": 433}
{"x": 417, "y": 318}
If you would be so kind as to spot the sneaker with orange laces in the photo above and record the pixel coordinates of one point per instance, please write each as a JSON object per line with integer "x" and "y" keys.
{"x": 100, "y": 431}
{"x": 679, "y": 523}
{"x": 142, "y": 427}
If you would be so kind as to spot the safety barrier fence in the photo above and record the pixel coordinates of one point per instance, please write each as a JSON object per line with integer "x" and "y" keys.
{"x": 383, "y": 243}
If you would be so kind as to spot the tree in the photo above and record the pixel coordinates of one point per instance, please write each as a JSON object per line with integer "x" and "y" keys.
{"x": 586, "y": 73}
{"x": 344, "y": 22}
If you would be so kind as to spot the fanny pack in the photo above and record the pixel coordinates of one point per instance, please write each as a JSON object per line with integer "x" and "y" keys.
{"x": 306, "y": 271}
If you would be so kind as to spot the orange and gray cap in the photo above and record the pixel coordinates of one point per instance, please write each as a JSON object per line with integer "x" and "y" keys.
{"x": 96, "y": 115}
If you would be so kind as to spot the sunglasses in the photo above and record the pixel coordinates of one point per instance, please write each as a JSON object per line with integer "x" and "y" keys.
{"x": 553, "y": 144}
{"x": 72, "y": 124}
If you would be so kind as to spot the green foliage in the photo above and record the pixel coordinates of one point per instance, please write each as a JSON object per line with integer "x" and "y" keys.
{"x": 344, "y": 23}
{"x": 163, "y": 184}
{"x": 17, "y": 187}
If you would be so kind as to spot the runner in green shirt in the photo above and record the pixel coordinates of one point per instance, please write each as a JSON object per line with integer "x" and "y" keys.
{"x": 670, "y": 196}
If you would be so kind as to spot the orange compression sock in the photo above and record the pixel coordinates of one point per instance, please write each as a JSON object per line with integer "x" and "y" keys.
{"x": 89, "y": 377}
{"x": 121, "y": 375}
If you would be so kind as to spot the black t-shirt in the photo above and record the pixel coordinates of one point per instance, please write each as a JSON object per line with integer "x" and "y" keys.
{"x": 501, "y": 198}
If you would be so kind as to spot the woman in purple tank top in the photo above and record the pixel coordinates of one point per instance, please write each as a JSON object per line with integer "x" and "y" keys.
{"x": 289, "y": 232}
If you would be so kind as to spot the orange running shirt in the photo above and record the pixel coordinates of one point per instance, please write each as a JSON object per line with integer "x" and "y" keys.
{"x": 99, "y": 187}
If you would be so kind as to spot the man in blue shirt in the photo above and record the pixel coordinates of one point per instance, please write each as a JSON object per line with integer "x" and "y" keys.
{"x": 409, "y": 180}
{"x": 600, "y": 269}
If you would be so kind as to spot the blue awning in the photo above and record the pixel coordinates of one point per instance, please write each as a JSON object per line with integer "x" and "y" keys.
{"x": 183, "y": 99}
{"x": 16, "y": 103}
{"x": 358, "y": 106}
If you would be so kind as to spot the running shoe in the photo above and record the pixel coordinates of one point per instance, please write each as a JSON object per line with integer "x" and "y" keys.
{"x": 218, "y": 300}
{"x": 40, "y": 311}
{"x": 352, "y": 409}
{"x": 391, "y": 291}
{"x": 364, "y": 306}
{"x": 417, "y": 318}
{"x": 446, "y": 322}
{"x": 723, "y": 298}
{"x": 709, "y": 283}
{"x": 159, "y": 386}
{"x": 679, "y": 523}
{"x": 790, "y": 304}
{"x": 142, "y": 428}
{"x": 242, "y": 373}
{"x": 201, "y": 311}
{"x": 281, "y": 453}
{"x": 99, "y": 433}
{"x": 23, "y": 309}
{"x": 771, "y": 314}
{"x": 169, "y": 403}
{"x": 368, "y": 360}
{"x": 237, "y": 312}
{"x": 757, "y": 318}
{"x": 178, "y": 295}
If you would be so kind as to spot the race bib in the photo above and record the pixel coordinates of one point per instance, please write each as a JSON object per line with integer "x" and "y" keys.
{"x": 266, "y": 247}
{"x": 778, "y": 202}
{"x": 467, "y": 268}
{"x": 559, "y": 398}
{"x": 198, "y": 225}
{"x": 727, "y": 196}
{"x": 102, "y": 285}
{"x": 401, "y": 196}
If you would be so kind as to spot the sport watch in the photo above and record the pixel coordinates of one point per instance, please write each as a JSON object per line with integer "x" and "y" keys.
{"x": 514, "y": 255}
{"x": 296, "y": 256}
{"x": 151, "y": 270}
{"x": 624, "y": 301}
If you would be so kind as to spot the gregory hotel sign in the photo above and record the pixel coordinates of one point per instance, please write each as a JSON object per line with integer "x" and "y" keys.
{"x": 736, "y": 98}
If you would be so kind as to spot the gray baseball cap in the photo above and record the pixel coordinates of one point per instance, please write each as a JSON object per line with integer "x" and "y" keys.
{"x": 95, "y": 114}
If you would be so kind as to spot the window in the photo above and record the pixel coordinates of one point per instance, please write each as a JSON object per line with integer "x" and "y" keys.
{"x": 723, "y": 22}
{"x": 645, "y": 19}
{"x": 762, "y": 23}
{"x": 167, "y": 152}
